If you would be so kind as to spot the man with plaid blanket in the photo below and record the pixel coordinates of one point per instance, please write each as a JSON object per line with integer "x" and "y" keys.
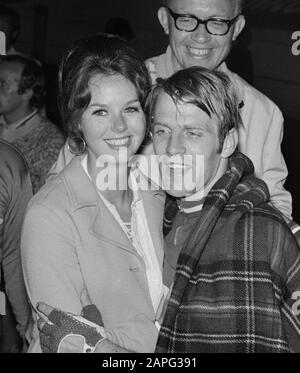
{"x": 232, "y": 263}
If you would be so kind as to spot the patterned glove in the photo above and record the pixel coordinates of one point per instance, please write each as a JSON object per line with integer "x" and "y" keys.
{"x": 72, "y": 332}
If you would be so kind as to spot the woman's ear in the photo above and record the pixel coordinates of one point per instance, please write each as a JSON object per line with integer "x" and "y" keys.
{"x": 230, "y": 143}
{"x": 163, "y": 19}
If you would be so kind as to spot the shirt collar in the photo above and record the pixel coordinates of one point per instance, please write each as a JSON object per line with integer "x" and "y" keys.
{"x": 19, "y": 122}
{"x": 23, "y": 121}
{"x": 189, "y": 207}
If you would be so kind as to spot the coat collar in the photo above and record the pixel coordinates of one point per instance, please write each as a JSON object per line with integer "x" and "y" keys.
{"x": 81, "y": 191}
{"x": 83, "y": 194}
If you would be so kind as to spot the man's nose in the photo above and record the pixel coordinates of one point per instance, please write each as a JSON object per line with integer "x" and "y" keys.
{"x": 175, "y": 145}
{"x": 201, "y": 35}
{"x": 119, "y": 124}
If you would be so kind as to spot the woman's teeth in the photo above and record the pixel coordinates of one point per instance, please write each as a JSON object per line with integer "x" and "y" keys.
{"x": 118, "y": 142}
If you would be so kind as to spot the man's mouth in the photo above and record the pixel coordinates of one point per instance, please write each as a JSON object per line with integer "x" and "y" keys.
{"x": 199, "y": 52}
{"x": 178, "y": 166}
{"x": 118, "y": 142}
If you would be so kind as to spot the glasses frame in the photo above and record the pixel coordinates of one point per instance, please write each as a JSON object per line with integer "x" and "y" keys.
{"x": 228, "y": 22}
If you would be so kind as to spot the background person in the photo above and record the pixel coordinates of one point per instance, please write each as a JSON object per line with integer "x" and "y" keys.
{"x": 15, "y": 192}
{"x": 194, "y": 43}
{"x": 22, "y": 91}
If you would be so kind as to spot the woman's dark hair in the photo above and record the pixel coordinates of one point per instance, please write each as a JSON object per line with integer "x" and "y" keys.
{"x": 99, "y": 54}
{"x": 32, "y": 77}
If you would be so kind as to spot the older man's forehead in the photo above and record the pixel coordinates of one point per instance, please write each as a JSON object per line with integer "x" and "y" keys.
{"x": 229, "y": 5}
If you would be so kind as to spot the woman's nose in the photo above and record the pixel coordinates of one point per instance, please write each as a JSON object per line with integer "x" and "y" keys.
{"x": 119, "y": 124}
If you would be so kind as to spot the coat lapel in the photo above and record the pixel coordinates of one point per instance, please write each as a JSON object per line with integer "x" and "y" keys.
{"x": 83, "y": 195}
{"x": 154, "y": 209}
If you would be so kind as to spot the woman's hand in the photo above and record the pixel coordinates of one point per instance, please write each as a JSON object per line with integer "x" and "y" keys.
{"x": 68, "y": 333}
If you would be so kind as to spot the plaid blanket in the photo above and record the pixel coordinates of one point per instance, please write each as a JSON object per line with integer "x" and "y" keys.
{"x": 237, "y": 282}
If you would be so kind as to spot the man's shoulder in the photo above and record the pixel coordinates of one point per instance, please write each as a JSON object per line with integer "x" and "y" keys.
{"x": 50, "y": 136}
{"x": 251, "y": 94}
{"x": 154, "y": 64}
{"x": 49, "y": 126}
{"x": 151, "y": 61}
{"x": 11, "y": 155}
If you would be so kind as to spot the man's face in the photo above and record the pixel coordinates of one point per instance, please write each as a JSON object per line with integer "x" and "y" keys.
{"x": 10, "y": 99}
{"x": 186, "y": 139}
{"x": 199, "y": 48}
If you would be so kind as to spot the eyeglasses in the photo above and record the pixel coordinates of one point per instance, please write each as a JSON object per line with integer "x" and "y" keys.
{"x": 214, "y": 26}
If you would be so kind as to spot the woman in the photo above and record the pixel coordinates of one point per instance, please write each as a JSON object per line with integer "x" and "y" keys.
{"x": 86, "y": 236}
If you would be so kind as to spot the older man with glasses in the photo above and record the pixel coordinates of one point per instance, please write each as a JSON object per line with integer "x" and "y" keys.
{"x": 201, "y": 33}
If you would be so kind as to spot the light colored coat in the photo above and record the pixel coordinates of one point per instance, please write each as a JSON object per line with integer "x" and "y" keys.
{"x": 71, "y": 242}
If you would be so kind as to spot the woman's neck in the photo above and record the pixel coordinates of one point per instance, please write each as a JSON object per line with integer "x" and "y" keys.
{"x": 112, "y": 182}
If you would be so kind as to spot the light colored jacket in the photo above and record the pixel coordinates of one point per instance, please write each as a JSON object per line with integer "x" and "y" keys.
{"x": 261, "y": 137}
{"x": 72, "y": 243}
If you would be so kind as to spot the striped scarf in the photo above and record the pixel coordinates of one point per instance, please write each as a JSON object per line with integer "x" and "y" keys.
{"x": 237, "y": 274}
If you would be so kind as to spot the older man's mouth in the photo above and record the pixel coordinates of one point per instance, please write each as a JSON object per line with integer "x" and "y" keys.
{"x": 199, "y": 52}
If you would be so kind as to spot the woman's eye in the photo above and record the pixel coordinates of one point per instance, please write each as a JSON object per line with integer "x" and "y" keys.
{"x": 100, "y": 112}
{"x": 132, "y": 109}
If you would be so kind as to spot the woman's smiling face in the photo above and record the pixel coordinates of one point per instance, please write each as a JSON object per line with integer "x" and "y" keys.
{"x": 114, "y": 120}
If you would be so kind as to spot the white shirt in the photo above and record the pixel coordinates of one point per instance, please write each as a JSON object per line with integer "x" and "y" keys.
{"x": 140, "y": 236}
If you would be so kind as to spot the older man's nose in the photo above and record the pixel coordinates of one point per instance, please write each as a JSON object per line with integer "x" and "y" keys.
{"x": 201, "y": 35}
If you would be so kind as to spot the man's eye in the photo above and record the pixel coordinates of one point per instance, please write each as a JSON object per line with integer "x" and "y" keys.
{"x": 185, "y": 20}
{"x": 100, "y": 112}
{"x": 194, "y": 133}
{"x": 217, "y": 22}
{"x": 160, "y": 131}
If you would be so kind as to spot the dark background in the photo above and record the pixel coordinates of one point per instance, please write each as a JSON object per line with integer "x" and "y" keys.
{"x": 263, "y": 56}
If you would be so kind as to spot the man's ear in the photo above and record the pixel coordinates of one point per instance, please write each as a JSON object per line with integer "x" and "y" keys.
{"x": 162, "y": 15}
{"x": 230, "y": 143}
{"x": 27, "y": 95}
{"x": 238, "y": 26}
